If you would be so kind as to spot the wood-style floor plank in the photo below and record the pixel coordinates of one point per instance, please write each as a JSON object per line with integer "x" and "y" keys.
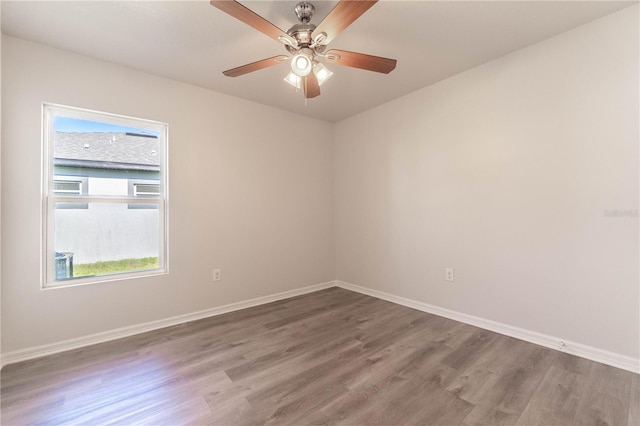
{"x": 556, "y": 400}
{"x": 634, "y": 408}
{"x": 607, "y": 398}
{"x": 333, "y": 357}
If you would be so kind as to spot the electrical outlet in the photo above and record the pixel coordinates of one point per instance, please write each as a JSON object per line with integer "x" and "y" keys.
{"x": 217, "y": 275}
{"x": 448, "y": 274}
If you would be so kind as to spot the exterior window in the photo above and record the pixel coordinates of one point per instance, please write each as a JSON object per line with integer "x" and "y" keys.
{"x": 105, "y": 203}
{"x": 145, "y": 190}
{"x": 67, "y": 187}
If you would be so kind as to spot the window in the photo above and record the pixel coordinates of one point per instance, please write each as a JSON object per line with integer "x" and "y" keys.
{"x": 145, "y": 190}
{"x": 67, "y": 186}
{"x": 105, "y": 197}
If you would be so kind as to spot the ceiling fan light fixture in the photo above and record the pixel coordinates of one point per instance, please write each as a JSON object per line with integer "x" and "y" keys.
{"x": 322, "y": 73}
{"x": 285, "y": 40}
{"x": 302, "y": 62}
{"x": 293, "y": 80}
{"x": 320, "y": 38}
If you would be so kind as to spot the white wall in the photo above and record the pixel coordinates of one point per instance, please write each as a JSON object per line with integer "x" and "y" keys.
{"x": 506, "y": 173}
{"x": 244, "y": 197}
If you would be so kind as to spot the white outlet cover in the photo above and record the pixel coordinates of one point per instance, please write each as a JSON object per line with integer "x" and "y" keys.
{"x": 448, "y": 274}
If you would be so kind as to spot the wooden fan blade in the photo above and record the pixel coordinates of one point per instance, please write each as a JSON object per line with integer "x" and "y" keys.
{"x": 311, "y": 86}
{"x": 249, "y": 17}
{"x": 255, "y": 66}
{"x": 362, "y": 61}
{"x": 340, "y": 17}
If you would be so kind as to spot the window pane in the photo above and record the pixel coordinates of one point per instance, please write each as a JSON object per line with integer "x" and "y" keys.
{"x": 105, "y": 238}
{"x": 106, "y": 153}
{"x": 105, "y": 196}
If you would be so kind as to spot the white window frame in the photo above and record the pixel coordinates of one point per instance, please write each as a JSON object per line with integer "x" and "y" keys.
{"x": 50, "y": 198}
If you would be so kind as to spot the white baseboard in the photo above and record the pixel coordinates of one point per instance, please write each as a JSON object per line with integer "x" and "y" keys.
{"x": 584, "y": 351}
{"x": 573, "y": 348}
{"x": 38, "y": 351}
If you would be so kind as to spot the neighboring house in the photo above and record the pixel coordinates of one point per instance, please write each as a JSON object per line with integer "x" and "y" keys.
{"x": 111, "y": 165}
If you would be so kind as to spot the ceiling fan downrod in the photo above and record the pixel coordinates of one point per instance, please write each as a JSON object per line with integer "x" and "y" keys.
{"x": 304, "y": 12}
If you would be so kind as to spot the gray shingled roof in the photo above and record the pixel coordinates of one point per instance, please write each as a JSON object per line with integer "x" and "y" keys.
{"x": 107, "y": 150}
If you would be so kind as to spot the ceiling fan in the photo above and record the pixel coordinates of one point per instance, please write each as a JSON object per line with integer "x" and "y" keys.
{"x": 307, "y": 43}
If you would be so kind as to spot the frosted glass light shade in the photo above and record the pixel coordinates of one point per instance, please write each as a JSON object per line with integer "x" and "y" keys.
{"x": 301, "y": 64}
{"x": 322, "y": 73}
{"x": 293, "y": 79}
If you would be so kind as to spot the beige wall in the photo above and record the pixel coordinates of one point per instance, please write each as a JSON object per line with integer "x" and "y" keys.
{"x": 505, "y": 173}
{"x": 245, "y": 197}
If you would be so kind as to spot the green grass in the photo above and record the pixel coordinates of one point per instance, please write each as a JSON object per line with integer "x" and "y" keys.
{"x": 115, "y": 266}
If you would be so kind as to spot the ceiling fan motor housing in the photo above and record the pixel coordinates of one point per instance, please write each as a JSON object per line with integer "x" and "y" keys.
{"x": 302, "y": 33}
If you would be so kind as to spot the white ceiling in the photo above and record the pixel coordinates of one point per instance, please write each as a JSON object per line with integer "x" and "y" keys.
{"x": 192, "y": 41}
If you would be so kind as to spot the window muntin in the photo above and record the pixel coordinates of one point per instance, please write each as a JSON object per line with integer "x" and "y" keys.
{"x": 95, "y": 228}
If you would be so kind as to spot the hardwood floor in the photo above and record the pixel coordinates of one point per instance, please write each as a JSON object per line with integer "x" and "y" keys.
{"x": 331, "y": 357}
